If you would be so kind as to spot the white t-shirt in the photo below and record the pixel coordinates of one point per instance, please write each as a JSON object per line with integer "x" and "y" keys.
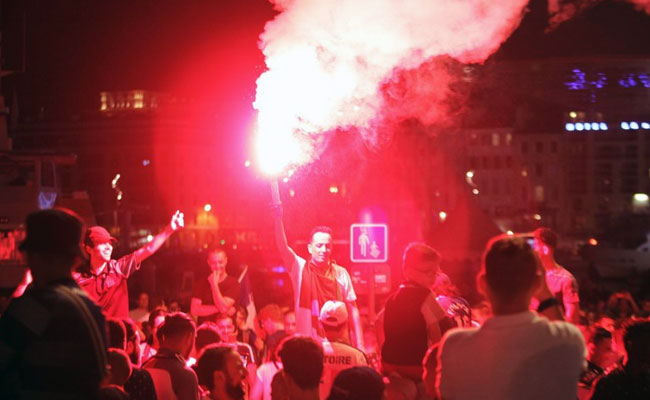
{"x": 303, "y": 315}
{"x": 338, "y": 356}
{"x": 518, "y": 356}
{"x": 265, "y": 374}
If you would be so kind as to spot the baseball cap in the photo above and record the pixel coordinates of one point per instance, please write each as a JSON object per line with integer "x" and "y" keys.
{"x": 333, "y": 313}
{"x": 56, "y": 231}
{"x": 98, "y": 234}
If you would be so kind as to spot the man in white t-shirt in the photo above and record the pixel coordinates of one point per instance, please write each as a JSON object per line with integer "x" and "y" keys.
{"x": 339, "y": 354}
{"x": 316, "y": 280}
{"x": 518, "y": 353}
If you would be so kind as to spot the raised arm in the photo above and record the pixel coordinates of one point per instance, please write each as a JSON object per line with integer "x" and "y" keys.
{"x": 150, "y": 248}
{"x": 353, "y": 312}
{"x": 287, "y": 254}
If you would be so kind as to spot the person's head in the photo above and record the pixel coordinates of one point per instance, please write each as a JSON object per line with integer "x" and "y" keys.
{"x": 99, "y": 244}
{"x": 241, "y": 316}
{"x": 290, "y": 325}
{"x": 302, "y": 361}
{"x": 334, "y": 319}
{"x": 271, "y": 318}
{"x": 421, "y": 264}
{"x": 226, "y": 328}
{"x": 156, "y": 318}
{"x": 206, "y": 334}
{"x": 116, "y": 333}
{"x": 221, "y": 370}
{"x": 217, "y": 260}
{"x": 279, "y": 389}
{"x": 600, "y": 344}
{"x": 545, "y": 241}
{"x": 606, "y": 323}
{"x": 52, "y": 244}
{"x": 357, "y": 383}
{"x": 143, "y": 301}
{"x": 510, "y": 274}
{"x": 132, "y": 341}
{"x": 320, "y": 245}
{"x": 636, "y": 339}
{"x": 119, "y": 366}
{"x": 429, "y": 364}
{"x": 177, "y": 333}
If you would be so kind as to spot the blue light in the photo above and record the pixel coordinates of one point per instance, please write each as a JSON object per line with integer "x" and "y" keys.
{"x": 625, "y": 126}
{"x": 579, "y": 126}
{"x": 595, "y": 126}
{"x": 645, "y": 125}
{"x": 603, "y": 126}
{"x": 587, "y": 126}
{"x": 634, "y": 125}
{"x": 569, "y": 127}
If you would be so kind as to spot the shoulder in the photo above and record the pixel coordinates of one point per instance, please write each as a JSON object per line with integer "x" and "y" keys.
{"x": 340, "y": 271}
{"x": 457, "y": 337}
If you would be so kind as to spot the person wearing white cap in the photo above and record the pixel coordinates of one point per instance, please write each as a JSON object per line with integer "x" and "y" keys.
{"x": 339, "y": 354}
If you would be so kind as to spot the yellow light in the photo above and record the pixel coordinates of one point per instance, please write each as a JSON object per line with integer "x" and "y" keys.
{"x": 524, "y": 172}
{"x": 593, "y": 241}
{"x": 510, "y": 233}
{"x": 475, "y": 191}
{"x": 149, "y": 238}
{"x": 641, "y": 197}
{"x": 334, "y": 189}
{"x": 537, "y": 217}
{"x": 469, "y": 174}
{"x": 442, "y": 215}
{"x": 573, "y": 114}
{"x": 207, "y": 207}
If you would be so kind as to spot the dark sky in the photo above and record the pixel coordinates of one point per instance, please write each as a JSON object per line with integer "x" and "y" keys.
{"x": 208, "y": 48}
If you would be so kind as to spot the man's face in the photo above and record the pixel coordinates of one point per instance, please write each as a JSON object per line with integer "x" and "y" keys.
{"x": 320, "y": 248}
{"x": 541, "y": 248}
{"x": 290, "y": 323}
{"x": 101, "y": 251}
{"x": 604, "y": 348}
{"x": 143, "y": 301}
{"x": 226, "y": 330}
{"x": 217, "y": 261}
{"x": 235, "y": 375}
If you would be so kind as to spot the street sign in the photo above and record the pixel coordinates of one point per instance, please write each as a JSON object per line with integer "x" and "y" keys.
{"x": 369, "y": 243}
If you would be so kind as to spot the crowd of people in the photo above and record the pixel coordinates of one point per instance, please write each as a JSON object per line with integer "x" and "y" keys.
{"x": 69, "y": 333}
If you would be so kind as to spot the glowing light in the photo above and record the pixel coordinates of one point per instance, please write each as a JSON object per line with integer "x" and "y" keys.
{"x": 524, "y": 172}
{"x": 334, "y": 189}
{"x": 149, "y": 238}
{"x": 569, "y": 126}
{"x": 537, "y": 217}
{"x": 119, "y": 196}
{"x": 587, "y": 126}
{"x": 510, "y": 233}
{"x": 603, "y": 126}
{"x": 645, "y": 125}
{"x": 625, "y": 126}
{"x": 285, "y": 180}
{"x": 579, "y": 126}
{"x": 634, "y": 125}
{"x": 475, "y": 191}
{"x": 641, "y": 197}
{"x": 207, "y": 207}
{"x": 469, "y": 174}
{"x": 146, "y": 162}
{"x": 593, "y": 241}
{"x": 114, "y": 181}
{"x": 573, "y": 114}
{"x": 247, "y": 163}
{"x": 442, "y": 215}
{"x": 595, "y": 126}
{"x": 222, "y": 242}
{"x": 292, "y": 193}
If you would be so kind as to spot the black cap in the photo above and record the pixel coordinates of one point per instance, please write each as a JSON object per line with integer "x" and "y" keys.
{"x": 56, "y": 231}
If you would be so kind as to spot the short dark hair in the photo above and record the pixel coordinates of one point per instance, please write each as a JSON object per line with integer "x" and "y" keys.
{"x": 416, "y": 254}
{"x": 636, "y": 337}
{"x": 357, "y": 383}
{"x": 116, "y": 333}
{"x": 176, "y": 324}
{"x": 546, "y": 236}
{"x": 120, "y": 365}
{"x": 212, "y": 358}
{"x": 598, "y": 335}
{"x": 510, "y": 266}
{"x": 206, "y": 334}
{"x": 302, "y": 359}
{"x": 321, "y": 229}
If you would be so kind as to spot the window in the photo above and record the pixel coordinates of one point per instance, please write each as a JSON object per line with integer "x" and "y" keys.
{"x": 539, "y": 193}
{"x": 554, "y": 147}
{"x": 539, "y": 147}
{"x": 539, "y": 170}
{"x": 496, "y": 139}
{"x": 524, "y": 147}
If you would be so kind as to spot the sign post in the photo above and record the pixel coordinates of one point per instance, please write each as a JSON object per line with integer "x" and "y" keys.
{"x": 369, "y": 244}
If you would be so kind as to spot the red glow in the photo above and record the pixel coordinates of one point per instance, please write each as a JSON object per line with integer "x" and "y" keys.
{"x": 593, "y": 241}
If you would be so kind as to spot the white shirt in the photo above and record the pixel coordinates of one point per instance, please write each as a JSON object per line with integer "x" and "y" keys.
{"x": 518, "y": 356}
{"x": 338, "y": 356}
{"x": 303, "y": 315}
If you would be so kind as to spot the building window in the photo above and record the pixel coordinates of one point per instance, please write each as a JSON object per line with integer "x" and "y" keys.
{"x": 524, "y": 147}
{"x": 539, "y": 171}
{"x": 554, "y": 147}
{"x": 539, "y": 147}
{"x": 508, "y": 162}
{"x": 496, "y": 139}
{"x": 486, "y": 162}
{"x": 539, "y": 193}
{"x": 497, "y": 162}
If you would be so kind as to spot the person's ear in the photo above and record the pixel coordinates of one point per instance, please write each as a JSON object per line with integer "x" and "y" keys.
{"x": 219, "y": 380}
{"x": 481, "y": 285}
{"x": 309, "y": 249}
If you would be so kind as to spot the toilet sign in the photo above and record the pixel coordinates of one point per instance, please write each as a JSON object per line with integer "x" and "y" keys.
{"x": 369, "y": 243}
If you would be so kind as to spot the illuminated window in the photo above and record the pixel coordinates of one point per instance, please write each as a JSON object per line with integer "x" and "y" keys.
{"x": 539, "y": 193}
